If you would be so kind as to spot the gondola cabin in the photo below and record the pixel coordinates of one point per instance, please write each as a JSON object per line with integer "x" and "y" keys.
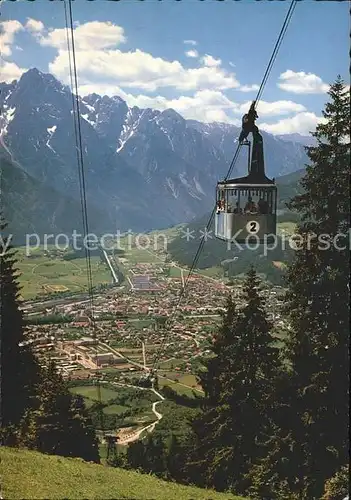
{"x": 246, "y": 207}
{"x": 245, "y": 211}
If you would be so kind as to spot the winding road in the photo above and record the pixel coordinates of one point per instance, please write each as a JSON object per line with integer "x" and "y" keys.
{"x": 134, "y": 436}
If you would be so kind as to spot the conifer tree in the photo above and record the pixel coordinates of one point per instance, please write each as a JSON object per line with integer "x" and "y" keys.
{"x": 174, "y": 458}
{"x": 81, "y": 432}
{"x": 59, "y": 425}
{"x": 19, "y": 370}
{"x": 235, "y": 423}
{"x": 154, "y": 457}
{"x": 315, "y": 426}
{"x": 202, "y": 442}
{"x": 136, "y": 455}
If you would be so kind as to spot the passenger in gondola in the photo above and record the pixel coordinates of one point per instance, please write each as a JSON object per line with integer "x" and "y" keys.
{"x": 237, "y": 209}
{"x": 248, "y": 123}
{"x": 250, "y": 207}
{"x": 220, "y": 205}
{"x": 263, "y": 206}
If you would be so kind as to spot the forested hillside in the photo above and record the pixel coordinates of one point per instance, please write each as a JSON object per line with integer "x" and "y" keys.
{"x": 272, "y": 420}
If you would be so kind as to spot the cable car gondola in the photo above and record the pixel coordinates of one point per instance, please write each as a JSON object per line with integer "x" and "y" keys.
{"x": 247, "y": 206}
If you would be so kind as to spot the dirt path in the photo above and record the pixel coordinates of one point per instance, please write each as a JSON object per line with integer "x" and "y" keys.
{"x": 134, "y": 436}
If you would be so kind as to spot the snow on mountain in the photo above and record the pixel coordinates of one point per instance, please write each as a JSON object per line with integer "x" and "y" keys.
{"x": 152, "y": 168}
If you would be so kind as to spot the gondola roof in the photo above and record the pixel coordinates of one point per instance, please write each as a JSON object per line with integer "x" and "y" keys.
{"x": 252, "y": 178}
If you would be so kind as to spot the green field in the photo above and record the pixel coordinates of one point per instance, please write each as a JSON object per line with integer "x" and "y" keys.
{"x": 88, "y": 402}
{"x": 188, "y": 379}
{"x": 140, "y": 256}
{"x": 170, "y": 233}
{"x": 32, "y": 475}
{"x": 40, "y": 273}
{"x": 176, "y": 386}
{"x": 125, "y": 399}
{"x": 115, "y": 409}
{"x": 170, "y": 363}
{"x": 90, "y": 392}
{"x": 175, "y": 272}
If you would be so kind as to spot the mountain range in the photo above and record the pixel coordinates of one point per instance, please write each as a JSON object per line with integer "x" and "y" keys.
{"x": 143, "y": 169}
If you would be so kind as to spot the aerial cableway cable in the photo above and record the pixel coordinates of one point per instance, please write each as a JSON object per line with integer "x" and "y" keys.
{"x": 232, "y": 164}
{"x": 81, "y": 172}
{"x": 276, "y": 49}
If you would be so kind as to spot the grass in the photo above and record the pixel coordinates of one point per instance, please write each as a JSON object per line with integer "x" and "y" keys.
{"x": 88, "y": 402}
{"x": 115, "y": 409}
{"x": 175, "y": 272}
{"x": 170, "y": 233}
{"x": 140, "y": 255}
{"x": 171, "y": 363}
{"x": 188, "y": 380}
{"x": 180, "y": 389}
{"x": 90, "y": 392}
{"x": 32, "y": 475}
{"x": 41, "y": 274}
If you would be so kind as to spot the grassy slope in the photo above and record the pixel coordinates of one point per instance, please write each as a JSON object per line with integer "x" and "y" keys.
{"x": 32, "y": 475}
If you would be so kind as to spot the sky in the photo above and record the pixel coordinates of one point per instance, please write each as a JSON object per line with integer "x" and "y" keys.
{"x": 205, "y": 59}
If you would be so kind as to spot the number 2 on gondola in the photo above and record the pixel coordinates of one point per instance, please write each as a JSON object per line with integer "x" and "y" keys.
{"x": 252, "y": 227}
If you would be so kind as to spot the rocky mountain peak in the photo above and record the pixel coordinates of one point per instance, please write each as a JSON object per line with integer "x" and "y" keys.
{"x": 153, "y": 168}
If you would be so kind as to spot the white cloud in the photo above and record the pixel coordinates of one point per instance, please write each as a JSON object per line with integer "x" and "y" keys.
{"x": 190, "y": 42}
{"x": 103, "y": 89}
{"x": 192, "y": 53}
{"x": 278, "y": 108}
{"x": 9, "y": 71}
{"x": 302, "y": 123}
{"x": 94, "y": 35}
{"x": 8, "y": 30}
{"x": 99, "y": 61}
{"x": 210, "y": 61}
{"x": 204, "y": 105}
{"x": 139, "y": 70}
{"x": 209, "y": 105}
{"x": 275, "y": 108}
{"x": 302, "y": 83}
{"x": 105, "y": 69}
{"x": 249, "y": 88}
{"x": 34, "y": 26}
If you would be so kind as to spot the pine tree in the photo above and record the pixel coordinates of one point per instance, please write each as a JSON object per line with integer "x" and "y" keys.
{"x": 316, "y": 425}
{"x": 59, "y": 425}
{"x": 154, "y": 457}
{"x": 81, "y": 433}
{"x": 235, "y": 423}
{"x": 202, "y": 442}
{"x": 174, "y": 458}
{"x": 219, "y": 362}
{"x": 136, "y": 455}
{"x": 19, "y": 370}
